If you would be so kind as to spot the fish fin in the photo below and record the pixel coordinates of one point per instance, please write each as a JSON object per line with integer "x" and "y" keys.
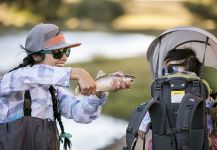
{"x": 100, "y": 74}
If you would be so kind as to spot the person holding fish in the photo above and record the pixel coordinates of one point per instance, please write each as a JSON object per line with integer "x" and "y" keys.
{"x": 33, "y": 95}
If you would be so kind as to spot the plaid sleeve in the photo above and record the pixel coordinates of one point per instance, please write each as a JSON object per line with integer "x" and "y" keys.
{"x": 82, "y": 109}
{"x": 29, "y": 77}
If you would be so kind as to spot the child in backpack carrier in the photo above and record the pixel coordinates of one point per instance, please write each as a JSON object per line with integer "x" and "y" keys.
{"x": 182, "y": 61}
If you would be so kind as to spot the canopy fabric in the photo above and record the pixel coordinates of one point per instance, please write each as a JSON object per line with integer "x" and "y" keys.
{"x": 182, "y": 37}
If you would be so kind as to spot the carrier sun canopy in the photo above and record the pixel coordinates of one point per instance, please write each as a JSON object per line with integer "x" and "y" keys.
{"x": 200, "y": 41}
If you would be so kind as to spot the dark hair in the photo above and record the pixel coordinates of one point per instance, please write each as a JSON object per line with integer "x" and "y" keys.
{"x": 57, "y": 116}
{"x": 28, "y": 60}
{"x": 191, "y": 63}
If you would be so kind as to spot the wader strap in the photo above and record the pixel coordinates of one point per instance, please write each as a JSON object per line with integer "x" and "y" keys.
{"x": 136, "y": 119}
{"x": 27, "y": 104}
{"x": 189, "y": 112}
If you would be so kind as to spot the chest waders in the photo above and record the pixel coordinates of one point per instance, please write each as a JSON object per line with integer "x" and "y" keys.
{"x": 29, "y": 133}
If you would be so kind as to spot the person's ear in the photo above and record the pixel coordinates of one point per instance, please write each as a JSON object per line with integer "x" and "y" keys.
{"x": 38, "y": 58}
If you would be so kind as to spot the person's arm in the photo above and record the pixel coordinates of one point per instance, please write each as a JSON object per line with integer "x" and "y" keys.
{"x": 144, "y": 126}
{"x": 83, "y": 110}
{"x": 41, "y": 75}
{"x": 27, "y": 78}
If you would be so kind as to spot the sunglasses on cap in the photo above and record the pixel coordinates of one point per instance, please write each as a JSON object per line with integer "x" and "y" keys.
{"x": 171, "y": 69}
{"x": 58, "y": 53}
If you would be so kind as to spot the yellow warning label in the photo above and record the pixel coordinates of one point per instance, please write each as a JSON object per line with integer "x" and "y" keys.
{"x": 176, "y": 96}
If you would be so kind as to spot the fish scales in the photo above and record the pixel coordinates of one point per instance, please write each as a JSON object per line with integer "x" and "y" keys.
{"x": 104, "y": 82}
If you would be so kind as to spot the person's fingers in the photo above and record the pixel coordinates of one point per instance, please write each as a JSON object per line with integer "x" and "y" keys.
{"x": 93, "y": 88}
{"x": 89, "y": 88}
{"x": 128, "y": 84}
{"x": 122, "y": 83}
{"x": 115, "y": 85}
{"x": 84, "y": 90}
{"x": 87, "y": 84}
{"x": 141, "y": 134}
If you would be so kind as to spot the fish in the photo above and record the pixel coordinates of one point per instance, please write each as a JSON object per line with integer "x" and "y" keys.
{"x": 104, "y": 81}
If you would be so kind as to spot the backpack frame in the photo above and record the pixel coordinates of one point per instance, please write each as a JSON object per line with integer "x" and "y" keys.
{"x": 175, "y": 126}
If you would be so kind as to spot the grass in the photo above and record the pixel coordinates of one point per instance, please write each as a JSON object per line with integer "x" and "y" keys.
{"x": 122, "y": 103}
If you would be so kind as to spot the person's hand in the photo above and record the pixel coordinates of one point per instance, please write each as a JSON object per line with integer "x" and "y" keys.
{"x": 141, "y": 134}
{"x": 86, "y": 82}
{"x": 119, "y": 83}
{"x": 143, "y": 130}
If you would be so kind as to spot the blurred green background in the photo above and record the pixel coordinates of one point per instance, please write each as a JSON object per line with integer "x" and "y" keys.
{"x": 142, "y": 16}
{"x": 110, "y": 15}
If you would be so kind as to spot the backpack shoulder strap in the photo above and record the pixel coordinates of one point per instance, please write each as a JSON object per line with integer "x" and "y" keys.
{"x": 191, "y": 115}
{"x": 134, "y": 123}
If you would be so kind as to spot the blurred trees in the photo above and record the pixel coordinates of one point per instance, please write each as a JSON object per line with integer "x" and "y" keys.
{"x": 204, "y": 9}
{"x": 58, "y": 11}
{"x": 102, "y": 11}
{"x": 45, "y": 8}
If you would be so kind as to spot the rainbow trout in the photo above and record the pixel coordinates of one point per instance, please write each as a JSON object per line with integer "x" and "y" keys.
{"x": 104, "y": 81}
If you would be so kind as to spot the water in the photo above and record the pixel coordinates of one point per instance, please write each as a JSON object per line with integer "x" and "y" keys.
{"x": 95, "y": 135}
{"x": 104, "y": 130}
{"x": 93, "y": 44}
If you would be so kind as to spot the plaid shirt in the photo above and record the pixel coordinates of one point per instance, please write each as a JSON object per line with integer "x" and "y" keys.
{"x": 37, "y": 79}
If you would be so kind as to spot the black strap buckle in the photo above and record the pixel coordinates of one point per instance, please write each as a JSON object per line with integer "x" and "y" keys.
{"x": 27, "y": 104}
{"x": 158, "y": 85}
{"x": 186, "y": 129}
{"x": 196, "y": 83}
{"x": 189, "y": 106}
{"x": 129, "y": 130}
{"x": 139, "y": 108}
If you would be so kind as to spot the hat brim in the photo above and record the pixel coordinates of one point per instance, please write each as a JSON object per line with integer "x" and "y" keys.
{"x": 64, "y": 45}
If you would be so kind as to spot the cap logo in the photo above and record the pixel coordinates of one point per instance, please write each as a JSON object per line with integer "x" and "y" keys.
{"x": 52, "y": 38}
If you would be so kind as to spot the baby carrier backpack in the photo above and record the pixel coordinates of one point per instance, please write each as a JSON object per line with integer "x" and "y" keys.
{"x": 178, "y": 106}
{"x": 177, "y": 112}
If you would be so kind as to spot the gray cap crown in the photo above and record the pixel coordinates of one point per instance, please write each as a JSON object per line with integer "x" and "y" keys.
{"x": 46, "y": 37}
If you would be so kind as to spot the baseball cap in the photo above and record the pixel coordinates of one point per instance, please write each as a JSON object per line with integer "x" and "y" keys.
{"x": 46, "y": 37}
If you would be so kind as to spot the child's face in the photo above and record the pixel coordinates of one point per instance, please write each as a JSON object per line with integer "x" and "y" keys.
{"x": 54, "y": 61}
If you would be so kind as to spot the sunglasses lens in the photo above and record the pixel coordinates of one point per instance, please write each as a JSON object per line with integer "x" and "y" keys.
{"x": 169, "y": 70}
{"x": 67, "y": 52}
{"x": 58, "y": 54}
